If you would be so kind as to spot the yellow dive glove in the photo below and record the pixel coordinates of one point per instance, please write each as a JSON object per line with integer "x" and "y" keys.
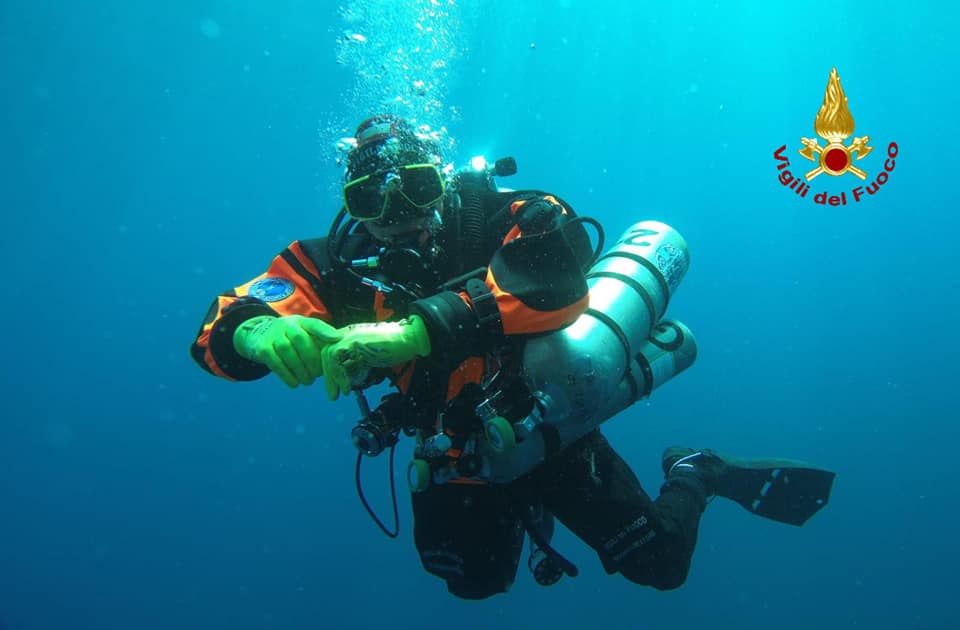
{"x": 366, "y": 346}
{"x": 290, "y": 346}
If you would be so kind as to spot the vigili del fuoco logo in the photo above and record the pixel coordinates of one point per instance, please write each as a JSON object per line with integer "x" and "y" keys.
{"x": 834, "y": 124}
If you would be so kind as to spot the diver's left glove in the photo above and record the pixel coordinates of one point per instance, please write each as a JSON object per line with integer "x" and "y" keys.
{"x": 366, "y": 346}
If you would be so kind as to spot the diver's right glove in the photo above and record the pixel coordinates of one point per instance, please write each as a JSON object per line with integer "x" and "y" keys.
{"x": 290, "y": 346}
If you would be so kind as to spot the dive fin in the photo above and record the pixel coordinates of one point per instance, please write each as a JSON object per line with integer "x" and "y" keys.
{"x": 784, "y": 490}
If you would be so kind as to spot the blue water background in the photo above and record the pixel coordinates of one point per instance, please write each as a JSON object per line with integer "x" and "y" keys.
{"x": 154, "y": 154}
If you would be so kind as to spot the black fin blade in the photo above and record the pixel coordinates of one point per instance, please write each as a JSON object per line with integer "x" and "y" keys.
{"x": 787, "y": 491}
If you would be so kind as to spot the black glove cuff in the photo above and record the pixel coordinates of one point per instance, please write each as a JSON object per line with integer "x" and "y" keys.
{"x": 221, "y": 340}
{"x": 452, "y": 326}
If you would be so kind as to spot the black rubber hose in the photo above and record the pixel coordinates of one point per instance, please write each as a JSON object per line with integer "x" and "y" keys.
{"x": 393, "y": 497}
{"x": 471, "y": 226}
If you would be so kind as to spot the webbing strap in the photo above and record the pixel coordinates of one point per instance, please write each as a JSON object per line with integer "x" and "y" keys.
{"x": 485, "y": 308}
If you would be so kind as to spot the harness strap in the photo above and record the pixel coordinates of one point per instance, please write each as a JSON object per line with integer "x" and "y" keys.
{"x": 485, "y": 308}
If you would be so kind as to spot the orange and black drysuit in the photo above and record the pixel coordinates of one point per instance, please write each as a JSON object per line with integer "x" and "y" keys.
{"x": 471, "y": 534}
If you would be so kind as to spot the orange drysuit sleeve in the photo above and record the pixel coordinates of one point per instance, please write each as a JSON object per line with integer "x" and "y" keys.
{"x": 290, "y": 286}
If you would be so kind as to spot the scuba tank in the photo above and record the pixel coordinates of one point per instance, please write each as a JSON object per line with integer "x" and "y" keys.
{"x": 616, "y": 353}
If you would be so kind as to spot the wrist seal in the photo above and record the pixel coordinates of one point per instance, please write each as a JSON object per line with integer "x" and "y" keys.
{"x": 454, "y": 330}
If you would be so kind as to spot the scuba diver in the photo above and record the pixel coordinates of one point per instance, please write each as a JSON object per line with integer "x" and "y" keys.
{"x": 455, "y": 292}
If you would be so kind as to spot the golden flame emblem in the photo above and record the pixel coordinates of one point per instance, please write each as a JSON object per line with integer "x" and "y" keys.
{"x": 834, "y": 123}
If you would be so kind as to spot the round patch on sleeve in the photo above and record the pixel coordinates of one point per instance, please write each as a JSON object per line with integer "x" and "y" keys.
{"x": 271, "y": 289}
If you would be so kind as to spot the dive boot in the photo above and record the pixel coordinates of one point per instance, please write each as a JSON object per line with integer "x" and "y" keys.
{"x": 784, "y": 490}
